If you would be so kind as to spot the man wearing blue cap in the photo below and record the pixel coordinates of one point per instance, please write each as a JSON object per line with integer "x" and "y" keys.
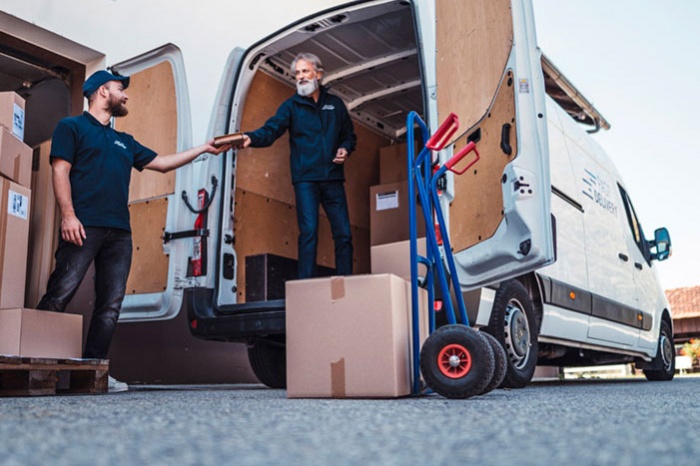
{"x": 91, "y": 165}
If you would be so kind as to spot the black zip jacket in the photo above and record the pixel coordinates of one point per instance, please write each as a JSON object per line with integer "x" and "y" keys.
{"x": 316, "y": 131}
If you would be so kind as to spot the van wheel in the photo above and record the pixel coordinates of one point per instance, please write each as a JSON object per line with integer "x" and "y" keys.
{"x": 457, "y": 362}
{"x": 500, "y": 364}
{"x": 514, "y": 324}
{"x": 268, "y": 360}
{"x": 664, "y": 363}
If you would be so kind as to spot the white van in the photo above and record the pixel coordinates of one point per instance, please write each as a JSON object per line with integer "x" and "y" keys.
{"x": 550, "y": 254}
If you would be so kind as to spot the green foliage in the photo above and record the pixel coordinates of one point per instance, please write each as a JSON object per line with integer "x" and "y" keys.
{"x": 692, "y": 349}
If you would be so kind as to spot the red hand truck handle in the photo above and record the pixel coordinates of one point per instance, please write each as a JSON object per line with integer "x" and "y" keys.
{"x": 471, "y": 146}
{"x": 443, "y": 134}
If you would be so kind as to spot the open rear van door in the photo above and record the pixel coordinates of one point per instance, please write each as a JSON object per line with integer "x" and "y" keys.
{"x": 489, "y": 74}
{"x": 159, "y": 118}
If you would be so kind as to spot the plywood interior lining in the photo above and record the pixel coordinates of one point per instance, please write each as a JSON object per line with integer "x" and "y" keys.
{"x": 149, "y": 265}
{"x": 477, "y": 209}
{"x": 474, "y": 39}
{"x": 152, "y": 120}
{"x": 265, "y": 225}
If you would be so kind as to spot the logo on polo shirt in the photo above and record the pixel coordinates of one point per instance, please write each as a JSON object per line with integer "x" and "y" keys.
{"x": 328, "y": 107}
{"x": 120, "y": 144}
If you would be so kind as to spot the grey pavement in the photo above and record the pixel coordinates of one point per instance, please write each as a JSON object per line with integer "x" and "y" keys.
{"x": 622, "y": 422}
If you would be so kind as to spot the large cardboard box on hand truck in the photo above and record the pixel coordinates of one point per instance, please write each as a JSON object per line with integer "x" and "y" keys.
{"x": 350, "y": 337}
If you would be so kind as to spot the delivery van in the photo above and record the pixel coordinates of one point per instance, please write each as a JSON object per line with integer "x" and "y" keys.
{"x": 551, "y": 257}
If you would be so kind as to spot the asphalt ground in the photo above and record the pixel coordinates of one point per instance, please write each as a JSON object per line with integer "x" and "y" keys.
{"x": 592, "y": 422}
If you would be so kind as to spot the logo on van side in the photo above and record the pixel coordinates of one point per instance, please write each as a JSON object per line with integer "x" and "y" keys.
{"x": 598, "y": 190}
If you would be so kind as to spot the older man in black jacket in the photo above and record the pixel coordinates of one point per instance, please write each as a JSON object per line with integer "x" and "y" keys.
{"x": 321, "y": 138}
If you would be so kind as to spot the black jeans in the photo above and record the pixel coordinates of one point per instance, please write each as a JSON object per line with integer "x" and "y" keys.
{"x": 111, "y": 249}
{"x": 330, "y": 195}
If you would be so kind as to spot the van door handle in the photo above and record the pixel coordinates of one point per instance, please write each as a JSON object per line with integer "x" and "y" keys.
{"x": 505, "y": 139}
{"x": 638, "y": 265}
{"x": 623, "y": 257}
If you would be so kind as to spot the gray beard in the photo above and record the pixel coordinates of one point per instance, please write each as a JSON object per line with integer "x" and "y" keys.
{"x": 307, "y": 88}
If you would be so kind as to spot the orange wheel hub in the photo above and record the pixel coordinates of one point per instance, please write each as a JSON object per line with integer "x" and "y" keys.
{"x": 454, "y": 361}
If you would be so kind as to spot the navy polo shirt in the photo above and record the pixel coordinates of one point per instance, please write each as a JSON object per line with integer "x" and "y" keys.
{"x": 101, "y": 161}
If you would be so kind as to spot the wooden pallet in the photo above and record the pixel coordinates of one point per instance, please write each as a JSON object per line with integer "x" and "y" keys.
{"x": 21, "y": 376}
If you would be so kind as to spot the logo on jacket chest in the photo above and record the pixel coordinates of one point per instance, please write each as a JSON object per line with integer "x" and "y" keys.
{"x": 328, "y": 107}
{"x": 120, "y": 144}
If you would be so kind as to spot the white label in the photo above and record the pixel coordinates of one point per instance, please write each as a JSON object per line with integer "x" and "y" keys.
{"x": 386, "y": 201}
{"x": 524, "y": 86}
{"x": 17, "y": 205}
{"x": 18, "y": 122}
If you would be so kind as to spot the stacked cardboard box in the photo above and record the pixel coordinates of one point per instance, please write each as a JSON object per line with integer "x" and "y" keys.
{"x": 27, "y": 332}
{"x": 351, "y": 336}
{"x": 15, "y": 195}
{"x": 40, "y": 334}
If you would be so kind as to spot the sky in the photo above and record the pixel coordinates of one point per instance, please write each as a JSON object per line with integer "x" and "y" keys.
{"x": 638, "y": 62}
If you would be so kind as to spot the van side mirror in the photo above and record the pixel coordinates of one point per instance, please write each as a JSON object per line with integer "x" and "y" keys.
{"x": 662, "y": 243}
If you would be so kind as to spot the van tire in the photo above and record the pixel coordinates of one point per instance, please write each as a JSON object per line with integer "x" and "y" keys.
{"x": 268, "y": 360}
{"x": 475, "y": 364}
{"x": 514, "y": 324}
{"x": 664, "y": 363}
{"x": 499, "y": 359}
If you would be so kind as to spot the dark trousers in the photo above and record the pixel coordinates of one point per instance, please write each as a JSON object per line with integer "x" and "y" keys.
{"x": 330, "y": 195}
{"x": 111, "y": 249}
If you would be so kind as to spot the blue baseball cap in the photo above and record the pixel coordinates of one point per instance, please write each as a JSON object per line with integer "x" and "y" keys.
{"x": 101, "y": 77}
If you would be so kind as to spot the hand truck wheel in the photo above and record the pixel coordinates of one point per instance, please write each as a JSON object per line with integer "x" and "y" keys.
{"x": 457, "y": 362}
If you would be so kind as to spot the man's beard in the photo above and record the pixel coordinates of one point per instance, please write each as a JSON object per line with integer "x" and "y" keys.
{"x": 307, "y": 87}
{"x": 116, "y": 107}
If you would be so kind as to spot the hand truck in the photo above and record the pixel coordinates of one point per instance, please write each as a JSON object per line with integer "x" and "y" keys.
{"x": 456, "y": 361}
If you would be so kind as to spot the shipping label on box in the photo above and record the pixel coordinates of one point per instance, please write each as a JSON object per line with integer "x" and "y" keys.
{"x": 18, "y": 204}
{"x": 18, "y": 121}
{"x": 387, "y": 200}
{"x": 12, "y": 113}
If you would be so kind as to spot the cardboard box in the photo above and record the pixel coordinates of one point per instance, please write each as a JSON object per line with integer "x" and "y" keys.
{"x": 393, "y": 162}
{"x": 15, "y": 159}
{"x": 14, "y": 239}
{"x": 44, "y": 227}
{"x": 12, "y": 113}
{"x": 388, "y": 216}
{"x": 395, "y": 258}
{"x": 40, "y": 334}
{"x": 350, "y": 337}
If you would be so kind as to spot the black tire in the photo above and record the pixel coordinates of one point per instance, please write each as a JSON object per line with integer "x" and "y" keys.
{"x": 500, "y": 364}
{"x": 664, "y": 364}
{"x": 515, "y": 326}
{"x": 268, "y": 361}
{"x": 457, "y": 362}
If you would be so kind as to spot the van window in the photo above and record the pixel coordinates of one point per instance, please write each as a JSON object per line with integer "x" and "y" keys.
{"x": 635, "y": 227}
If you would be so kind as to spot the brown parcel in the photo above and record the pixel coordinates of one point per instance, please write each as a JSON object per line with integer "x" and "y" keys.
{"x": 14, "y": 239}
{"x": 350, "y": 337}
{"x": 235, "y": 139}
{"x": 40, "y": 334}
{"x": 388, "y": 215}
{"x": 15, "y": 158}
{"x": 396, "y": 258}
{"x": 12, "y": 113}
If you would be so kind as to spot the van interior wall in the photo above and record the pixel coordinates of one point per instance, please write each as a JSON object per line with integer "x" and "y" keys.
{"x": 152, "y": 120}
{"x": 265, "y": 213}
